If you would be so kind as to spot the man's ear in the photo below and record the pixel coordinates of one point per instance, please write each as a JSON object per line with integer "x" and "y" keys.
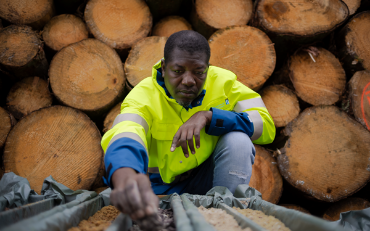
{"x": 162, "y": 66}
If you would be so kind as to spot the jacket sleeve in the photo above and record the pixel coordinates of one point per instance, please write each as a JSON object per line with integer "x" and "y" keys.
{"x": 126, "y": 143}
{"x": 249, "y": 115}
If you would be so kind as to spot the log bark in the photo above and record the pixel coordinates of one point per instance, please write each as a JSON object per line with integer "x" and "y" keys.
{"x": 28, "y": 95}
{"x": 57, "y": 141}
{"x": 120, "y": 24}
{"x": 99, "y": 182}
{"x": 64, "y": 30}
{"x": 282, "y": 104}
{"x": 7, "y": 122}
{"x": 359, "y": 95}
{"x": 266, "y": 177}
{"x": 296, "y": 207}
{"x": 142, "y": 57}
{"x": 21, "y": 52}
{"x": 318, "y": 157}
{"x": 207, "y": 16}
{"x": 353, "y": 42}
{"x": 252, "y": 64}
{"x": 88, "y": 75}
{"x": 349, "y": 204}
{"x": 34, "y": 13}
{"x": 169, "y": 25}
{"x": 317, "y": 76}
{"x": 111, "y": 116}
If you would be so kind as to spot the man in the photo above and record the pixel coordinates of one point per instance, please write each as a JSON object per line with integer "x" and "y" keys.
{"x": 190, "y": 126}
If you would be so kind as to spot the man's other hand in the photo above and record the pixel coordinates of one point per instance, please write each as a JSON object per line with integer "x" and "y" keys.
{"x": 132, "y": 194}
{"x": 191, "y": 128}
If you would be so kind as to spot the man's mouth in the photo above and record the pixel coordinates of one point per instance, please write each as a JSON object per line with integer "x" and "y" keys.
{"x": 187, "y": 94}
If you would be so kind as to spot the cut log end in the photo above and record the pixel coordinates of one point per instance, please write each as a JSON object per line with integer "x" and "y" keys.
{"x": 51, "y": 140}
{"x": 282, "y": 104}
{"x": 295, "y": 207}
{"x": 266, "y": 177}
{"x": 169, "y": 25}
{"x": 352, "y": 5}
{"x": 63, "y": 30}
{"x": 142, "y": 57}
{"x": 349, "y": 204}
{"x": 318, "y": 156}
{"x": 6, "y": 123}
{"x": 246, "y": 51}
{"x": 111, "y": 116}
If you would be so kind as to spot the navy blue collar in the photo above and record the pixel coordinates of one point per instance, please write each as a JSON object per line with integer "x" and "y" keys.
{"x": 195, "y": 103}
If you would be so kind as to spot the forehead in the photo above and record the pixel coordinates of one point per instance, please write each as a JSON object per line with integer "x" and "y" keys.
{"x": 179, "y": 56}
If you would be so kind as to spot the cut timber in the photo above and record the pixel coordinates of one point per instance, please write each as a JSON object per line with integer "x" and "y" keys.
{"x": 99, "y": 182}
{"x": 87, "y": 75}
{"x": 142, "y": 57}
{"x": 246, "y": 51}
{"x": 352, "y": 5}
{"x": 359, "y": 93}
{"x": 353, "y": 43}
{"x": 296, "y": 207}
{"x": 163, "y": 8}
{"x": 266, "y": 177}
{"x": 210, "y": 15}
{"x": 109, "y": 119}
{"x": 120, "y": 24}
{"x": 57, "y": 141}
{"x": 318, "y": 157}
{"x": 317, "y": 76}
{"x": 21, "y": 52}
{"x": 349, "y": 204}
{"x": 28, "y": 95}
{"x": 34, "y": 13}
{"x": 282, "y": 104}
{"x": 7, "y": 121}
{"x": 63, "y": 30}
{"x": 170, "y": 25}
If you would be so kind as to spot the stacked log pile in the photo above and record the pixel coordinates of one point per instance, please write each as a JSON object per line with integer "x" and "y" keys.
{"x": 310, "y": 61}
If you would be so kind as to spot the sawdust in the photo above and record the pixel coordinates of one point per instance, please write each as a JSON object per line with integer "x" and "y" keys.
{"x": 267, "y": 222}
{"x": 220, "y": 219}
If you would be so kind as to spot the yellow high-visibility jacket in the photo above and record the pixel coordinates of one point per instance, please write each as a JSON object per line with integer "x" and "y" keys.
{"x": 150, "y": 117}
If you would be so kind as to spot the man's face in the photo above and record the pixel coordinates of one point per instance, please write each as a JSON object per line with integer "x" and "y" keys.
{"x": 184, "y": 75}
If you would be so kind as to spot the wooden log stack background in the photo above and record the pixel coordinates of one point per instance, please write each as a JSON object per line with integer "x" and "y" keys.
{"x": 66, "y": 66}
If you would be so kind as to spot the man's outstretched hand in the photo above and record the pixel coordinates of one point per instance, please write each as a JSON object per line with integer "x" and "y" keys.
{"x": 132, "y": 194}
{"x": 191, "y": 128}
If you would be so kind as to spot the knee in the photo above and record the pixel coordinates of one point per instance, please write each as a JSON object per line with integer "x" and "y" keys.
{"x": 238, "y": 143}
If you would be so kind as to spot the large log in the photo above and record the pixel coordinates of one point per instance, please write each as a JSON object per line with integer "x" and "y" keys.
{"x": 266, "y": 177}
{"x": 208, "y": 16}
{"x": 318, "y": 157}
{"x": 64, "y": 30}
{"x": 28, "y": 95}
{"x": 282, "y": 104}
{"x": 348, "y": 204}
{"x": 317, "y": 76}
{"x": 34, "y": 13}
{"x": 353, "y": 42}
{"x": 21, "y": 52}
{"x": 111, "y": 116}
{"x": 57, "y": 141}
{"x": 170, "y": 25}
{"x": 7, "y": 121}
{"x": 88, "y": 75}
{"x": 246, "y": 51}
{"x": 352, "y": 5}
{"x": 142, "y": 57}
{"x": 359, "y": 95}
{"x": 120, "y": 24}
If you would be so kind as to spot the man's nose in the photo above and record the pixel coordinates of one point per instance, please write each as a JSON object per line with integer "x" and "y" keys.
{"x": 188, "y": 79}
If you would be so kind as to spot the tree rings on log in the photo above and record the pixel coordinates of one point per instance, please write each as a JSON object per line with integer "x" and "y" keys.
{"x": 211, "y": 15}
{"x": 317, "y": 76}
{"x": 282, "y": 104}
{"x": 87, "y": 75}
{"x": 303, "y": 18}
{"x": 170, "y": 25}
{"x": 246, "y": 51}
{"x": 111, "y": 116}
{"x": 63, "y": 30}
{"x": 7, "y": 121}
{"x": 348, "y": 204}
{"x": 353, "y": 42}
{"x": 99, "y": 182}
{"x": 318, "y": 158}
{"x": 295, "y": 207}
{"x": 359, "y": 93}
{"x": 266, "y": 177}
{"x": 21, "y": 52}
{"x": 142, "y": 57}
{"x": 57, "y": 141}
{"x": 28, "y": 95}
{"x": 34, "y": 13}
{"x": 120, "y": 24}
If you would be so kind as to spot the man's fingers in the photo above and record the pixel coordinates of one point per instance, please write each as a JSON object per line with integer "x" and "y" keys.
{"x": 175, "y": 141}
{"x": 150, "y": 200}
{"x": 190, "y": 142}
{"x": 134, "y": 199}
{"x": 197, "y": 137}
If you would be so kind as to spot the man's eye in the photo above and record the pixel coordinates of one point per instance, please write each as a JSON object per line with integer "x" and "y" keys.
{"x": 177, "y": 71}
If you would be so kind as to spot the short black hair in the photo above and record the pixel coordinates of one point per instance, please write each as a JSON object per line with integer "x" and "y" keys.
{"x": 187, "y": 40}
